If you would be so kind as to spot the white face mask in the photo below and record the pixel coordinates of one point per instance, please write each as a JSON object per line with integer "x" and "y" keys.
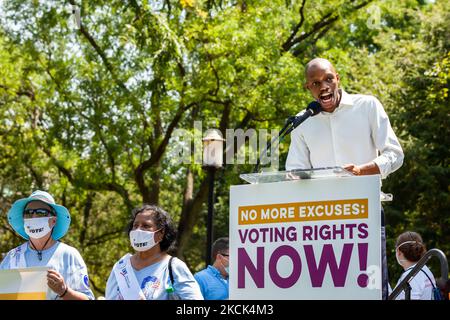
{"x": 227, "y": 268}
{"x": 142, "y": 240}
{"x": 400, "y": 261}
{"x": 37, "y": 228}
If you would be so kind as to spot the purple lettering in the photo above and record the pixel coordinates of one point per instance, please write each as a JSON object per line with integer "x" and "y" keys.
{"x": 253, "y": 235}
{"x": 296, "y": 270}
{"x": 324, "y": 232}
{"x": 245, "y": 263}
{"x": 350, "y": 228}
{"x": 307, "y": 233}
{"x": 243, "y": 236}
{"x": 264, "y": 231}
{"x": 338, "y": 229}
{"x": 363, "y": 232}
{"x": 291, "y": 234}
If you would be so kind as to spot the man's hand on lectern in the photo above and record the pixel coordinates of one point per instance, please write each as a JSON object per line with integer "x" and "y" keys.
{"x": 363, "y": 169}
{"x": 291, "y": 176}
{"x": 353, "y": 169}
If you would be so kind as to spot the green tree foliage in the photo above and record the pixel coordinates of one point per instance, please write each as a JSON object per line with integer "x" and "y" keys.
{"x": 90, "y": 112}
{"x": 421, "y": 116}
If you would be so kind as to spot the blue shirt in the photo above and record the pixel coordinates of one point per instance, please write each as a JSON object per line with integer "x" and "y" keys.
{"x": 62, "y": 258}
{"x": 154, "y": 281}
{"x": 212, "y": 284}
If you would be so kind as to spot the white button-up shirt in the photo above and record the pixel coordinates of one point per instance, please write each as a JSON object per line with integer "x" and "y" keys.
{"x": 358, "y": 131}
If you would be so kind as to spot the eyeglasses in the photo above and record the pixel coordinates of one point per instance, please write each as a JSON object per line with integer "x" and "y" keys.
{"x": 39, "y": 212}
{"x": 224, "y": 254}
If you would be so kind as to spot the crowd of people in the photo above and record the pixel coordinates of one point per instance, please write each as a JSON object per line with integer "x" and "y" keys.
{"x": 148, "y": 273}
{"x": 355, "y": 133}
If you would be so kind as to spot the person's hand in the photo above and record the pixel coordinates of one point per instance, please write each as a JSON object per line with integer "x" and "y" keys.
{"x": 55, "y": 281}
{"x": 291, "y": 176}
{"x": 356, "y": 170}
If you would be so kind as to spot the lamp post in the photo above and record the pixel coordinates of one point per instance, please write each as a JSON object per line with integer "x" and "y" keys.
{"x": 212, "y": 160}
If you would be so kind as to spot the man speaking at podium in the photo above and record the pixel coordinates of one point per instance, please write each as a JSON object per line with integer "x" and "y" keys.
{"x": 352, "y": 131}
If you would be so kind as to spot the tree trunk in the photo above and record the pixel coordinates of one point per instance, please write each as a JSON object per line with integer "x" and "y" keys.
{"x": 86, "y": 214}
{"x": 189, "y": 215}
{"x": 155, "y": 187}
{"x": 184, "y": 217}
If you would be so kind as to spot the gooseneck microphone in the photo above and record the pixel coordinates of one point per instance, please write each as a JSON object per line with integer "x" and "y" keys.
{"x": 312, "y": 109}
{"x": 291, "y": 123}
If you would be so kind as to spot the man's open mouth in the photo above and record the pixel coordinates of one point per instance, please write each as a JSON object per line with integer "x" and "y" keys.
{"x": 326, "y": 97}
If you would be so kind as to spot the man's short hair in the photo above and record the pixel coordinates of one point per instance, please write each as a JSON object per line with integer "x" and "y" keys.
{"x": 219, "y": 246}
{"x": 318, "y": 61}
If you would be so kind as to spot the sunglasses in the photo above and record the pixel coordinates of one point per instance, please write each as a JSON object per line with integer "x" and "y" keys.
{"x": 39, "y": 212}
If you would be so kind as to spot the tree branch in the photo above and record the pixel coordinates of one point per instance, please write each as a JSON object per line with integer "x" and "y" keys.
{"x": 104, "y": 237}
{"x": 225, "y": 120}
{"x": 216, "y": 75}
{"x": 111, "y": 160}
{"x": 217, "y": 101}
{"x": 137, "y": 9}
{"x": 192, "y": 206}
{"x": 112, "y": 186}
{"x": 322, "y": 33}
{"x": 106, "y": 62}
{"x": 38, "y": 178}
{"x": 330, "y": 18}
{"x": 23, "y": 92}
{"x": 154, "y": 158}
{"x": 86, "y": 214}
{"x": 327, "y": 21}
{"x": 99, "y": 186}
{"x": 244, "y": 122}
{"x": 189, "y": 215}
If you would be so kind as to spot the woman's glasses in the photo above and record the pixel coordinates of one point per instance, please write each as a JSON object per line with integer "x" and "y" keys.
{"x": 42, "y": 212}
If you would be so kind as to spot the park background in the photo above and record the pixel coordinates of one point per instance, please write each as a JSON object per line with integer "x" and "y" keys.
{"x": 88, "y": 112}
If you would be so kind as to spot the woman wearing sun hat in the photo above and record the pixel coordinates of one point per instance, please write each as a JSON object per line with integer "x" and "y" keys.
{"x": 40, "y": 221}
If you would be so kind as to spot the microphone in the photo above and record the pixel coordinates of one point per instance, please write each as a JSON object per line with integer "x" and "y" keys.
{"x": 293, "y": 121}
{"x": 313, "y": 109}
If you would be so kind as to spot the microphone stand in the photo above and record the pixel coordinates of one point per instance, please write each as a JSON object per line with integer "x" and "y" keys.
{"x": 293, "y": 121}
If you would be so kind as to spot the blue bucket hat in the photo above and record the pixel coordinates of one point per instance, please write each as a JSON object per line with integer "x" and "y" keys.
{"x": 15, "y": 214}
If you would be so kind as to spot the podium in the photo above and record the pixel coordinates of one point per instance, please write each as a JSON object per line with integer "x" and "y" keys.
{"x": 305, "y": 234}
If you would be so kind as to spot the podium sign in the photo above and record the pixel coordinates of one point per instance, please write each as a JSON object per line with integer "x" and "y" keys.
{"x": 306, "y": 239}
